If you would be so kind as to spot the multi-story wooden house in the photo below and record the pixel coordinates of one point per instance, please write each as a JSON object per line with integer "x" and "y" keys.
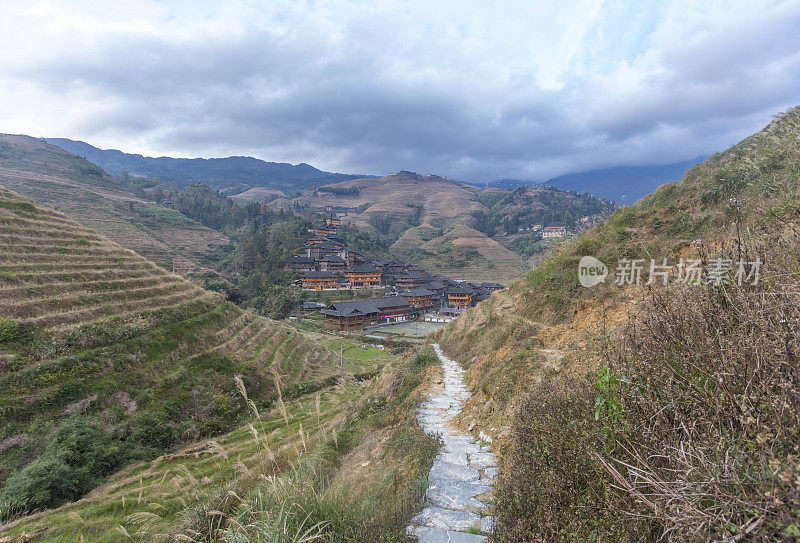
{"x": 319, "y": 280}
{"x": 351, "y": 316}
{"x": 331, "y": 263}
{"x": 420, "y": 298}
{"x": 460, "y": 297}
{"x": 300, "y": 263}
{"x": 363, "y": 275}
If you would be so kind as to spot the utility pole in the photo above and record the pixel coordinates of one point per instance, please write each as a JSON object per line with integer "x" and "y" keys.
{"x": 341, "y": 356}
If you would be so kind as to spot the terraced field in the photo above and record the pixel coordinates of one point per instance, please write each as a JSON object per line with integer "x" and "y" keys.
{"x": 90, "y": 329}
{"x": 53, "y": 177}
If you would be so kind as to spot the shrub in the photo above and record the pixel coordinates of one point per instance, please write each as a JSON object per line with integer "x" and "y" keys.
{"x": 9, "y": 329}
{"x": 710, "y": 431}
{"x": 551, "y": 488}
{"x": 76, "y": 460}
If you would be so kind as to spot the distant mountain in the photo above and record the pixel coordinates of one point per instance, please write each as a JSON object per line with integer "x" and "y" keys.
{"x": 218, "y": 173}
{"x": 624, "y": 185}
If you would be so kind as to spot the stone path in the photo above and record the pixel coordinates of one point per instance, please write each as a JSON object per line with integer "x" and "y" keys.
{"x": 462, "y": 474}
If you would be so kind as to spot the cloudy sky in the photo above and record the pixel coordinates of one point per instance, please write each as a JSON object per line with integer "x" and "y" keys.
{"x": 469, "y": 89}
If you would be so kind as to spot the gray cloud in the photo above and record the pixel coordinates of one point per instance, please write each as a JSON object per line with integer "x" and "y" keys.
{"x": 481, "y": 94}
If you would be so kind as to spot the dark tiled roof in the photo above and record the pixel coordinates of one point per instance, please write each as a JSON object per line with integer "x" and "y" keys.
{"x": 347, "y": 309}
{"x": 299, "y": 259}
{"x": 420, "y": 291}
{"x": 326, "y": 245}
{"x": 319, "y": 275}
{"x": 331, "y": 258}
{"x": 363, "y": 268}
{"x": 491, "y": 285}
{"x": 389, "y": 301}
{"x": 460, "y": 290}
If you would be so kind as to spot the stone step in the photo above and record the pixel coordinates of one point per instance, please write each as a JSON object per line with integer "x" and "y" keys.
{"x": 438, "y": 535}
{"x": 463, "y": 470}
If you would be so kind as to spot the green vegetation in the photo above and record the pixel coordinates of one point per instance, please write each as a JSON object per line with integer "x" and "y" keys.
{"x": 77, "y": 459}
{"x": 143, "y": 359}
{"x": 9, "y": 328}
{"x": 211, "y": 208}
{"x": 339, "y": 191}
{"x": 363, "y": 241}
{"x": 321, "y": 494}
{"x": 21, "y": 208}
{"x": 510, "y": 210}
{"x": 347, "y": 463}
{"x": 257, "y": 264}
{"x": 667, "y": 412}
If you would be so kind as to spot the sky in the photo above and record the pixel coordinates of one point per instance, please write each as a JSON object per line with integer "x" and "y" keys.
{"x": 472, "y": 90}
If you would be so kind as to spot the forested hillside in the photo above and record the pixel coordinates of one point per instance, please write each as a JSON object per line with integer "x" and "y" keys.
{"x": 659, "y": 411}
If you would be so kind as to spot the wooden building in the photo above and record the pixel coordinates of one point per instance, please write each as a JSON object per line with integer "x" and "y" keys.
{"x": 391, "y": 308}
{"x": 316, "y": 239}
{"x": 492, "y": 287}
{"x": 460, "y": 297}
{"x": 420, "y": 298}
{"x": 324, "y": 231}
{"x": 320, "y": 250}
{"x": 364, "y": 275}
{"x": 412, "y": 280}
{"x": 352, "y": 316}
{"x": 300, "y": 263}
{"x": 331, "y": 263}
{"x": 319, "y": 280}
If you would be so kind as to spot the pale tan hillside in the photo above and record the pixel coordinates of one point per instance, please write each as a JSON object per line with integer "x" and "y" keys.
{"x": 442, "y": 198}
{"x": 434, "y": 213}
{"x": 50, "y": 176}
{"x": 257, "y": 194}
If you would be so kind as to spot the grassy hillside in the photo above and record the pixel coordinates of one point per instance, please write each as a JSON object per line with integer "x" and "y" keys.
{"x": 453, "y": 228}
{"x": 107, "y": 356}
{"x": 53, "y": 177}
{"x": 342, "y": 464}
{"x": 653, "y": 411}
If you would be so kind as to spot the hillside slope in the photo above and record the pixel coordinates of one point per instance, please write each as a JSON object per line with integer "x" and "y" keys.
{"x": 52, "y": 177}
{"x": 97, "y": 341}
{"x": 435, "y": 221}
{"x": 684, "y": 354}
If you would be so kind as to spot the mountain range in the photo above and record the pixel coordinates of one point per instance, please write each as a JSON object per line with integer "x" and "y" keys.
{"x": 218, "y": 173}
{"x": 624, "y": 184}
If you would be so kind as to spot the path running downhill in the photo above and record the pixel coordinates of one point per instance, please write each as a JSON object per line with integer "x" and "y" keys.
{"x": 463, "y": 473}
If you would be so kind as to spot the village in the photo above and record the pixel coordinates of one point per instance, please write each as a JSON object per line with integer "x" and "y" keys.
{"x": 407, "y": 292}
